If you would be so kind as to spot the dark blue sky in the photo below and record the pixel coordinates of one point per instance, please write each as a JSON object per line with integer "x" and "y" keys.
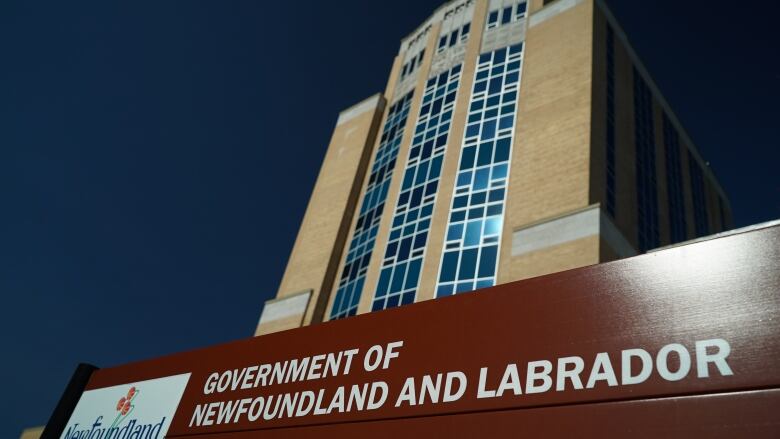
{"x": 156, "y": 157}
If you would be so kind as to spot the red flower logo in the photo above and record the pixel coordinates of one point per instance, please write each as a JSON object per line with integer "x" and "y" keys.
{"x": 124, "y": 406}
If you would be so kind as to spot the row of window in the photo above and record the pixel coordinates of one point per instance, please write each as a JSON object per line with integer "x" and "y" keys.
{"x": 364, "y": 236}
{"x": 508, "y": 14}
{"x": 699, "y": 201}
{"x": 399, "y": 276}
{"x": 458, "y": 35}
{"x": 611, "y": 174}
{"x": 677, "y": 226}
{"x": 470, "y": 255}
{"x": 412, "y": 64}
{"x": 646, "y": 189}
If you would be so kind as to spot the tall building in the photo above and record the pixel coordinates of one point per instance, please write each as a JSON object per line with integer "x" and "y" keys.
{"x": 514, "y": 139}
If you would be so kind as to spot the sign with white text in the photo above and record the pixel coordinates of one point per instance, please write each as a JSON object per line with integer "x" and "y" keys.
{"x": 642, "y": 334}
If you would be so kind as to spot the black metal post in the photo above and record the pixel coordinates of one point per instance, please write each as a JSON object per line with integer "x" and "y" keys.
{"x": 68, "y": 400}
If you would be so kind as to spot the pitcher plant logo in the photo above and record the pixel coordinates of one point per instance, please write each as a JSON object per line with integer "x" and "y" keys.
{"x": 114, "y": 413}
{"x": 125, "y": 406}
{"x": 119, "y": 429}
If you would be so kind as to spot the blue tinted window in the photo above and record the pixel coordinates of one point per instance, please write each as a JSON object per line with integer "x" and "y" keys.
{"x": 678, "y": 227}
{"x": 361, "y": 245}
{"x": 521, "y": 8}
{"x": 493, "y": 226}
{"x": 493, "y": 18}
{"x": 468, "y": 264}
{"x": 699, "y": 201}
{"x": 645, "y": 167}
{"x": 411, "y": 220}
{"x": 467, "y": 159}
{"x": 506, "y": 15}
{"x": 449, "y": 266}
{"x": 476, "y": 212}
{"x": 487, "y": 261}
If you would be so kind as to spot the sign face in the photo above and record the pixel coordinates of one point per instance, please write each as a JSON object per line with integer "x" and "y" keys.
{"x": 143, "y": 409}
{"x": 695, "y": 320}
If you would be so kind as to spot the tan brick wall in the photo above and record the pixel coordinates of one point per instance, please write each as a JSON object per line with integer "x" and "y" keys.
{"x": 284, "y": 324}
{"x": 566, "y": 256}
{"x": 535, "y": 5}
{"x": 323, "y": 232}
{"x": 32, "y": 433}
{"x": 550, "y": 171}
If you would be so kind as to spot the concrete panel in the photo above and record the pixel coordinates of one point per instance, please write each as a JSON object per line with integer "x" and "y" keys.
{"x": 552, "y": 10}
{"x": 584, "y": 223}
{"x": 284, "y": 313}
{"x": 352, "y": 112}
{"x": 573, "y": 254}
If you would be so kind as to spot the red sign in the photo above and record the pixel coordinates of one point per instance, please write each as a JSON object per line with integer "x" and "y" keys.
{"x": 598, "y": 350}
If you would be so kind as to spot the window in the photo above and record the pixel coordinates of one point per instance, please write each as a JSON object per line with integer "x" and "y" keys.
{"x": 520, "y": 10}
{"x": 646, "y": 188}
{"x": 464, "y": 33}
{"x": 364, "y": 236}
{"x": 399, "y": 276}
{"x": 492, "y": 19}
{"x": 453, "y": 37}
{"x": 459, "y": 35}
{"x": 416, "y": 61}
{"x": 470, "y": 254}
{"x": 677, "y": 225}
{"x": 610, "y": 150}
{"x": 699, "y": 201}
{"x": 508, "y": 14}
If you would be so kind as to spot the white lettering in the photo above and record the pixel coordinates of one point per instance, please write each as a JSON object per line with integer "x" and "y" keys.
{"x": 533, "y": 376}
{"x": 627, "y": 378}
{"x": 719, "y": 357}
{"x": 662, "y": 362}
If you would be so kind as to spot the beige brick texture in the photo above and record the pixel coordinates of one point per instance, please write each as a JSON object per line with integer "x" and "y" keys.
{"x": 550, "y": 170}
{"x": 574, "y": 254}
